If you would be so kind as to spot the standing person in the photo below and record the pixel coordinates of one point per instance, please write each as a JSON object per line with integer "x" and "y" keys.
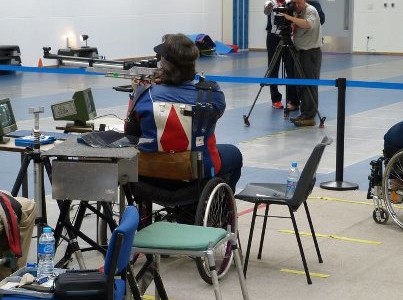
{"x": 308, "y": 41}
{"x": 318, "y": 7}
{"x": 178, "y": 56}
{"x": 272, "y": 41}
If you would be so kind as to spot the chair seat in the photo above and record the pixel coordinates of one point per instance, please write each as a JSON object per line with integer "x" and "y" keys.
{"x": 164, "y": 235}
{"x": 264, "y": 192}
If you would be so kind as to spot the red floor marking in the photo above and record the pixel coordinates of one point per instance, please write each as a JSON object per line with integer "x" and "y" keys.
{"x": 249, "y": 210}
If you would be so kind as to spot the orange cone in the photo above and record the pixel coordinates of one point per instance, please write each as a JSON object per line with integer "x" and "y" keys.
{"x": 40, "y": 64}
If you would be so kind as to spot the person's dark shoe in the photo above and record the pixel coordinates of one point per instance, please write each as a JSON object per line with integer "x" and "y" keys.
{"x": 296, "y": 118}
{"x": 305, "y": 122}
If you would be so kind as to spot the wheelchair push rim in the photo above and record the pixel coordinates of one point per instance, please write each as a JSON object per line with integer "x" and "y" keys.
{"x": 393, "y": 188}
{"x": 216, "y": 209}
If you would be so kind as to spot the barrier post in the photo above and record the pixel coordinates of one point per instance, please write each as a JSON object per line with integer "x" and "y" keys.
{"x": 339, "y": 184}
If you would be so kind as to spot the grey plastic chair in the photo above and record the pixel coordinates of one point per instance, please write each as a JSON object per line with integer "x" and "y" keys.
{"x": 274, "y": 194}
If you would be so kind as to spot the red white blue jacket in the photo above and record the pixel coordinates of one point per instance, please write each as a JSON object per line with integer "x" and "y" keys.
{"x": 161, "y": 125}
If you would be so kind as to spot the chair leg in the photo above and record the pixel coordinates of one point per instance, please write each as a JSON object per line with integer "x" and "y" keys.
{"x": 252, "y": 226}
{"x": 313, "y": 232}
{"x": 213, "y": 273}
{"x": 238, "y": 264}
{"x": 301, "y": 250}
{"x": 259, "y": 256}
{"x": 133, "y": 284}
{"x": 157, "y": 259}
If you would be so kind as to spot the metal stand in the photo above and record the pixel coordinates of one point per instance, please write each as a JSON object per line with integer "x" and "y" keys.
{"x": 339, "y": 184}
{"x": 285, "y": 44}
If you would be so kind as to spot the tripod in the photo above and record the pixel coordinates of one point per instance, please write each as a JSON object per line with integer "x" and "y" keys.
{"x": 39, "y": 164}
{"x": 285, "y": 44}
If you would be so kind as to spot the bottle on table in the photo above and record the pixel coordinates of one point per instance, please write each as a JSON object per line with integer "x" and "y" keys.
{"x": 46, "y": 253}
{"x": 292, "y": 180}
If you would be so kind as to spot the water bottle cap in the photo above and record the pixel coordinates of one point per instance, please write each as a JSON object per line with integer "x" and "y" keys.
{"x": 47, "y": 230}
{"x": 294, "y": 164}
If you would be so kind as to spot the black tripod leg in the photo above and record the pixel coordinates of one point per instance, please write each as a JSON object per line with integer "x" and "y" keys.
{"x": 274, "y": 60}
{"x": 301, "y": 74}
{"x": 128, "y": 194}
{"x": 21, "y": 174}
{"x": 48, "y": 168}
{"x": 64, "y": 218}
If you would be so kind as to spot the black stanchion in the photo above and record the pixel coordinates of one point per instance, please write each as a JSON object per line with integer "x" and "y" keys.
{"x": 339, "y": 184}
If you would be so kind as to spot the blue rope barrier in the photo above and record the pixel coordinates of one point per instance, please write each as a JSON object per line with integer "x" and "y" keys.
{"x": 73, "y": 71}
{"x": 375, "y": 85}
{"x": 221, "y": 78}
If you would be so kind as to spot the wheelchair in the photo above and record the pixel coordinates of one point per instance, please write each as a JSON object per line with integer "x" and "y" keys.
{"x": 386, "y": 189}
{"x": 176, "y": 184}
{"x": 172, "y": 188}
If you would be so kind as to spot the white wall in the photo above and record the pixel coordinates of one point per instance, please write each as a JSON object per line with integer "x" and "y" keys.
{"x": 257, "y": 24}
{"x": 119, "y": 28}
{"x": 377, "y": 26}
{"x": 227, "y": 21}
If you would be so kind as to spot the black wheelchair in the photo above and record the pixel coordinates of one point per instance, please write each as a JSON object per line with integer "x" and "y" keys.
{"x": 173, "y": 188}
{"x": 386, "y": 189}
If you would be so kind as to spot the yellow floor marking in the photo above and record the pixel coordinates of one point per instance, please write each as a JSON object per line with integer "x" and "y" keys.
{"x": 148, "y": 297}
{"x": 350, "y": 201}
{"x": 297, "y": 272}
{"x": 332, "y": 236}
{"x": 342, "y": 200}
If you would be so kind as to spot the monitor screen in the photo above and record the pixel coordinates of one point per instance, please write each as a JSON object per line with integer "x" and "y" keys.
{"x": 7, "y": 120}
{"x": 86, "y": 97}
{"x": 79, "y": 109}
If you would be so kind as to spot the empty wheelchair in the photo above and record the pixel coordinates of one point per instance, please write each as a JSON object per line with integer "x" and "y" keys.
{"x": 386, "y": 189}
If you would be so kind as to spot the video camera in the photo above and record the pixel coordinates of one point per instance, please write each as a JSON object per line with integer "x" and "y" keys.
{"x": 281, "y": 21}
{"x": 288, "y": 9}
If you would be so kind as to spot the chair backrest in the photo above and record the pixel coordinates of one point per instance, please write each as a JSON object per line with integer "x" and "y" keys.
{"x": 166, "y": 165}
{"x": 307, "y": 178}
{"x": 120, "y": 245}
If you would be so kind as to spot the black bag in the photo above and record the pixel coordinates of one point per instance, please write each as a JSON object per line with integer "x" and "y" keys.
{"x": 205, "y": 44}
{"x": 81, "y": 286}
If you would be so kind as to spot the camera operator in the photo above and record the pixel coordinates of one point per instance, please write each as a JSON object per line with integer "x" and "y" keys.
{"x": 274, "y": 22}
{"x": 307, "y": 33}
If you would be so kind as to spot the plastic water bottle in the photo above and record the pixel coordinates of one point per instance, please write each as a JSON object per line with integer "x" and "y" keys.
{"x": 292, "y": 180}
{"x": 46, "y": 253}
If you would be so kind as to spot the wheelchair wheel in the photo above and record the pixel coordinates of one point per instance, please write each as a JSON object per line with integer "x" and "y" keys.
{"x": 380, "y": 215}
{"x": 216, "y": 209}
{"x": 393, "y": 188}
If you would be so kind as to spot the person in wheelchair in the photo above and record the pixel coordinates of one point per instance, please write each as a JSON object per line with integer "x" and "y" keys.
{"x": 17, "y": 220}
{"x": 393, "y": 143}
{"x": 174, "y": 89}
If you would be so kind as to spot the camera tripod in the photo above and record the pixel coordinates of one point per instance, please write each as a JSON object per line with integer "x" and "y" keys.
{"x": 285, "y": 44}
